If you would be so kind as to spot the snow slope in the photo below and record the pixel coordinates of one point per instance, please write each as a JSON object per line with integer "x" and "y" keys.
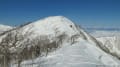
{"x": 110, "y": 40}
{"x": 78, "y": 49}
{"x": 80, "y": 54}
{"x": 4, "y": 28}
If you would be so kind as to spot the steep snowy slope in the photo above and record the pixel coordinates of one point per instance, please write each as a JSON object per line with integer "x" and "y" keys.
{"x": 110, "y": 40}
{"x": 4, "y": 28}
{"x": 112, "y": 43}
{"x": 80, "y": 54}
{"x": 76, "y": 47}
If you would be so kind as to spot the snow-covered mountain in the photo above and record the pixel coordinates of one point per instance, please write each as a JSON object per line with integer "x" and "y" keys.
{"x": 55, "y": 42}
{"x": 4, "y": 28}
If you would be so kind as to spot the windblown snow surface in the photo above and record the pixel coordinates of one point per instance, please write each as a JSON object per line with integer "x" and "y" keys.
{"x": 82, "y": 51}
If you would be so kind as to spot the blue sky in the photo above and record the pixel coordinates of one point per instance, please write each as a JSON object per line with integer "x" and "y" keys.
{"x": 105, "y": 13}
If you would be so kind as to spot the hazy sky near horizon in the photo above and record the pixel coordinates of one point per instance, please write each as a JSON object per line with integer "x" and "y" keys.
{"x": 84, "y": 12}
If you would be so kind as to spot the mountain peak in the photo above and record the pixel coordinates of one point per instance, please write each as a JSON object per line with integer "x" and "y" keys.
{"x": 52, "y": 19}
{"x": 56, "y": 17}
{"x": 50, "y": 24}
